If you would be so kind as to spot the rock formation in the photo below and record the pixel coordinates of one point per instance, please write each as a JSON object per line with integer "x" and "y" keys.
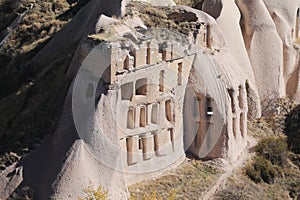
{"x": 158, "y": 81}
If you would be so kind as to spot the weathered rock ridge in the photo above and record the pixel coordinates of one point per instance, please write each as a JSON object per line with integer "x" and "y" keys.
{"x": 159, "y": 96}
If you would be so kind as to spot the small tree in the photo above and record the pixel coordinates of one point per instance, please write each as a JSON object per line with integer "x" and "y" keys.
{"x": 273, "y": 149}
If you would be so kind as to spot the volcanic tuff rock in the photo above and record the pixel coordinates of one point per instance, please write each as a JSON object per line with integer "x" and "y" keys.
{"x": 235, "y": 57}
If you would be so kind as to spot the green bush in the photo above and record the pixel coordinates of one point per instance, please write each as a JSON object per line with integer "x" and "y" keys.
{"x": 273, "y": 149}
{"x": 252, "y": 173}
{"x": 261, "y": 170}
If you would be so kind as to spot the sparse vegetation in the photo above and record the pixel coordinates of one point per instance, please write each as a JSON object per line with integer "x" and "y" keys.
{"x": 273, "y": 149}
{"x": 261, "y": 170}
{"x": 29, "y": 92}
{"x": 154, "y": 196}
{"x": 192, "y": 3}
{"x": 233, "y": 193}
{"x": 164, "y": 18}
{"x": 36, "y": 25}
{"x": 190, "y": 181}
{"x": 274, "y": 172}
{"x": 95, "y": 194}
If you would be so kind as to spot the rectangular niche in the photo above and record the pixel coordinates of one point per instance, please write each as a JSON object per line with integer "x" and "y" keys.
{"x": 148, "y": 57}
{"x": 242, "y": 124}
{"x": 162, "y": 142}
{"x": 171, "y": 131}
{"x": 161, "y": 80}
{"x": 127, "y": 91}
{"x": 143, "y": 117}
{"x": 131, "y": 118}
{"x": 148, "y": 114}
{"x": 179, "y": 73}
{"x": 148, "y": 146}
{"x": 156, "y": 142}
{"x": 168, "y": 110}
{"x": 141, "y": 87}
{"x": 234, "y": 126}
{"x": 208, "y": 36}
{"x": 126, "y": 63}
{"x": 241, "y": 97}
{"x": 231, "y": 95}
{"x": 130, "y": 143}
{"x": 164, "y": 54}
{"x": 154, "y": 114}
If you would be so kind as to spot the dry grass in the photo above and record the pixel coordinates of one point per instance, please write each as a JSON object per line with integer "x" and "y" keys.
{"x": 160, "y": 17}
{"x": 192, "y": 3}
{"x": 185, "y": 2}
{"x": 36, "y": 26}
{"x": 189, "y": 181}
{"x": 28, "y": 93}
{"x": 95, "y": 194}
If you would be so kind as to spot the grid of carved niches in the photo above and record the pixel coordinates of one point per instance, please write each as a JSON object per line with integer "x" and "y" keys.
{"x": 156, "y": 113}
{"x": 149, "y": 145}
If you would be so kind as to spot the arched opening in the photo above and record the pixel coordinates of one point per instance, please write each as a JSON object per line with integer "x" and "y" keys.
{"x": 127, "y": 91}
{"x": 141, "y": 87}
